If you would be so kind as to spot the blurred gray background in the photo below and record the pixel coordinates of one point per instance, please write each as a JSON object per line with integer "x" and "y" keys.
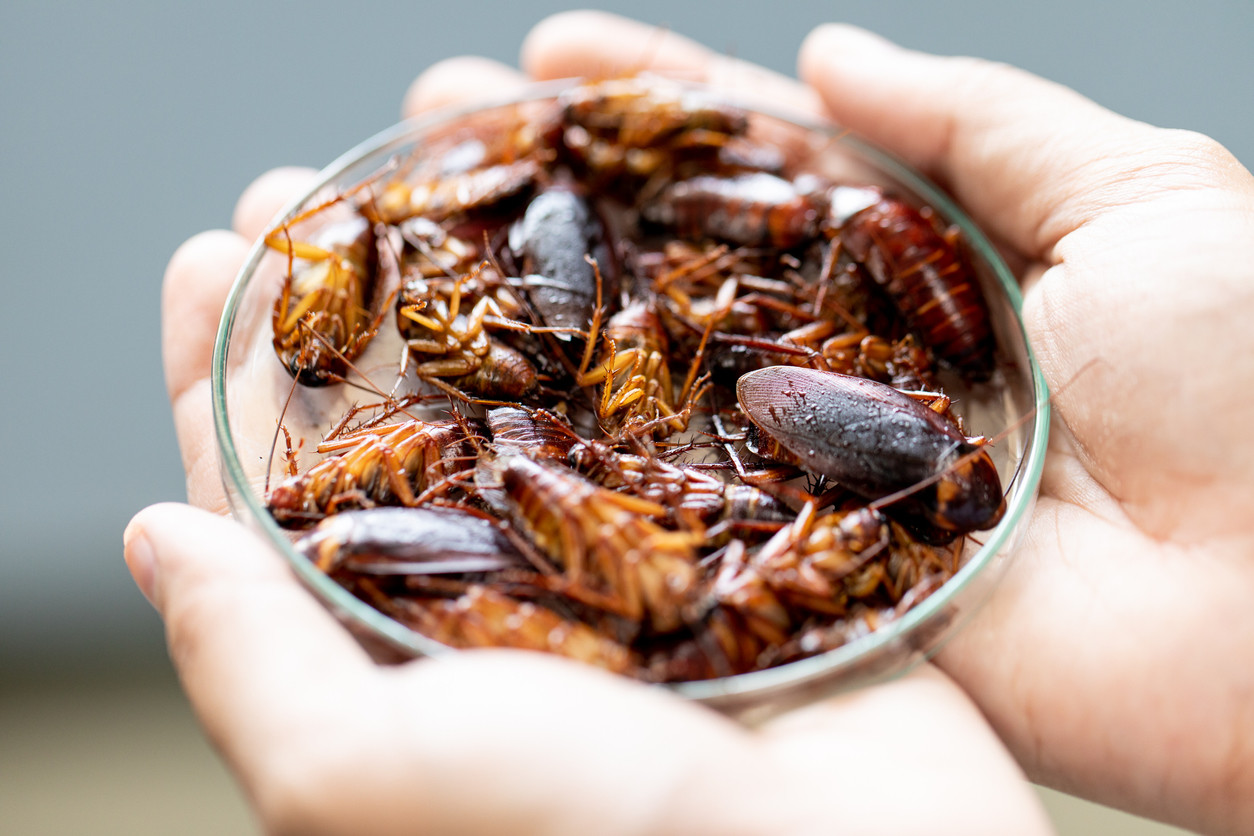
{"x": 129, "y": 127}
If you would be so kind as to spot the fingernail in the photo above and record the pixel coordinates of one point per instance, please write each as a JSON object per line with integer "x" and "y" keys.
{"x": 140, "y": 560}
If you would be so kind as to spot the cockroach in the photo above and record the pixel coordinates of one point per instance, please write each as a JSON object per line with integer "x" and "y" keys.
{"x": 613, "y": 554}
{"x": 454, "y": 346}
{"x": 875, "y": 441}
{"x": 552, "y": 240}
{"x": 635, "y": 128}
{"x": 694, "y": 499}
{"x": 483, "y": 617}
{"x": 540, "y": 433}
{"x": 429, "y": 251}
{"x": 903, "y": 363}
{"x": 756, "y": 209}
{"x": 921, "y": 270}
{"x": 404, "y": 541}
{"x": 808, "y": 561}
{"x": 634, "y": 373}
{"x": 380, "y": 465}
{"x": 454, "y": 195}
{"x": 323, "y": 319}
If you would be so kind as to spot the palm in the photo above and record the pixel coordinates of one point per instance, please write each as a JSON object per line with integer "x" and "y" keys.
{"x": 1130, "y": 593}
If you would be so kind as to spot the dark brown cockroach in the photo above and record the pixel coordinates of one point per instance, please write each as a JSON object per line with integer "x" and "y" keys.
{"x": 613, "y": 555}
{"x": 408, "y": 541}
{"x": 921, "y": 270}
{"x": 381, "y": 465}
{"x": 483, "y": 617}
{"x": 552, "y": 241}
{"x": 325, "y": 315}
{"x": 875, "y": 441}
{"x": 756, "y": 209}
{"x": 539, "y": 433}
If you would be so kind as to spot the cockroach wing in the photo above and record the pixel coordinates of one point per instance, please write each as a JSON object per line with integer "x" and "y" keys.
{"x": 875, "y": 441}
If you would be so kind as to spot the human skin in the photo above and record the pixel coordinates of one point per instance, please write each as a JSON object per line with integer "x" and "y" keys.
{"x": 1098, "y": 661}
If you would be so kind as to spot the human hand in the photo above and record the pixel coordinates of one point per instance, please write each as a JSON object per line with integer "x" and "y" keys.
{"x": 1115, "y": 658}
{"x": 323, "y": 740}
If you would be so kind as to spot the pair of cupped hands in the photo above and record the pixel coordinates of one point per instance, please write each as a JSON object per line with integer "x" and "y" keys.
{"x": 1116, "y": 659}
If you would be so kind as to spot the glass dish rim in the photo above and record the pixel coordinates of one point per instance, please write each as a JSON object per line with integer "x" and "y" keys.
{"x": 768, "y": 680}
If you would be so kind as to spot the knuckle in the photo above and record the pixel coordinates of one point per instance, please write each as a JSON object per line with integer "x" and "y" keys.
{"x": 1198, "y": 151}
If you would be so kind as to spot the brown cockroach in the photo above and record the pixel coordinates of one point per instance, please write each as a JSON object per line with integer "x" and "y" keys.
{"x": 634, "y": 373}
{"x": 614, "y": 556}
{"x": 921, "y": 270}
{"x": 541, "y": 434}
{"x": 454, "y": 195}
{"x": 430, "y": 251}
{"x": 379, "y": 465}
{"x": 694, "y": 499}
{"x": 637, "y": 128}
{"x": 903, "y": 362}
{"x": 325, "y": 315}
{"x": 453, "y": 346}
{"x": 876, "y": 441}
{"x": 809, "y": 561}
{"x": 756, "y": 209}
{"x": 483, "y": 617}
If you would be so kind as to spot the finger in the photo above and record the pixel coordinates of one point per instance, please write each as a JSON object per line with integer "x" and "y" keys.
{"x": 266, "y": 196}
{"x": 201, "y": 272}
{"x": 600, "y": 45}
{"x": 925, "y": 732}
{"x": 197, "y": 281}
{"x": 194, "y": 290}
{"x": 246, "y": 639}
{"x": 567, "y": 749}
{"x": 461, "y": 81}
{"x": 1032, "y": 160}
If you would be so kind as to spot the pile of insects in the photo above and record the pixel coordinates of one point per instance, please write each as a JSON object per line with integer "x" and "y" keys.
{"x": 664, "y": 399}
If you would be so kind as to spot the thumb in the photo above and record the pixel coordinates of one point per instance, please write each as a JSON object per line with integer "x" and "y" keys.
{"x": 261, "y": 660}
{"x": 1030, "y": 159}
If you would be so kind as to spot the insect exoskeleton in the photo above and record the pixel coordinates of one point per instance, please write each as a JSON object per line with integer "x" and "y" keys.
{"x": 612, "y": 552}
{"x": 559, "y": 243}
{"x": 453, "y": 346}
{"x": 326, "y": 314}
{"x": 378, "y": 465}
{"x": 921, "y": 270}
{"x": 633, "y": 129}
{"x": 876, "y": 442}
{"x": 484, "y": 617}
{"x": 408, "y": 541}
{"x": 755, "y": 209}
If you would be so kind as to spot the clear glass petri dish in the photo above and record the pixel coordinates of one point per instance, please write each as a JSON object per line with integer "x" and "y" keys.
{"x": 253, "y": 393}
